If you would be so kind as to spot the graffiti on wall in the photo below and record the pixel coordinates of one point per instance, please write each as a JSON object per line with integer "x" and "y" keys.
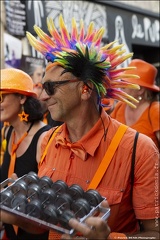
{"x": 147, "y": 31}
{"x": 79, "y": 10}
{"x": 121, "y": 39}
{"x": 122, "y": 25}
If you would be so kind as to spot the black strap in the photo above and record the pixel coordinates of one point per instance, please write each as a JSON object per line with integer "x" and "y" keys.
{"x": 132, "y": 173}
{"x": 133, "y": 160}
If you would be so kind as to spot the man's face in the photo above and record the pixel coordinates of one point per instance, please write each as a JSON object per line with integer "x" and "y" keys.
{"x": 63, "y": 100}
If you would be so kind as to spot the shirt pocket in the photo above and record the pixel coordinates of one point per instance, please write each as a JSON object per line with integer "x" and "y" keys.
{"x": 112, "y": 196}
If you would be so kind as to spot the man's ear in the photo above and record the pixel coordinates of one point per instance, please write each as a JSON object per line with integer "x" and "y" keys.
{"x": 141, "y": 90}
{"x": 85, "y": 89}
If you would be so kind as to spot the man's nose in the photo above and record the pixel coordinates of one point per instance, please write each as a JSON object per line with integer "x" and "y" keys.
{"x": 43, "y": 96}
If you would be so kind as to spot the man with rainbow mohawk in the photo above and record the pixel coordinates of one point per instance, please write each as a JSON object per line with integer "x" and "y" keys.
{"x": 83, "y": 56}
{"x": 90, "y": 148}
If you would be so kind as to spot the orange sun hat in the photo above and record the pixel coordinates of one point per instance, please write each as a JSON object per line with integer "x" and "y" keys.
{"x": 16, "y": 81}
{"x": 147, "y": 73}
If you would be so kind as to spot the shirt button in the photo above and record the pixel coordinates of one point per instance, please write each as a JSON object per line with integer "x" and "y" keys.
{"x": 53, "y": 169}
{"x": 87, "y": 181}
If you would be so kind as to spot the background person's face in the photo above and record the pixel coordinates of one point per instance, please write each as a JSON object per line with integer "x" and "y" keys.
{"x": 37, "y": 80}
{"x": 38, "y": 74}
{"x": 10, "y": 107}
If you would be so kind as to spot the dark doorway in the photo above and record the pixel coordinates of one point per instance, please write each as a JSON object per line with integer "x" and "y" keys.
{"x": 148, "y": 54}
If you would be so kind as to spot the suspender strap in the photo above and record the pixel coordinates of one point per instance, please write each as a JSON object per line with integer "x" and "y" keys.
{"x": 48, "y": 144}
{"x": 108, "y": 157}
{"x": 133, "y": 160}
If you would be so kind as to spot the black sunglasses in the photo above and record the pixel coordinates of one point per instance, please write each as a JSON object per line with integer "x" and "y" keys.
{"x": 49, "y": 87}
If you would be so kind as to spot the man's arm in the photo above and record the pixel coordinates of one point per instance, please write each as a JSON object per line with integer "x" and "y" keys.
{"x": 98, "y": 229}
{"x": 151, "y": 229}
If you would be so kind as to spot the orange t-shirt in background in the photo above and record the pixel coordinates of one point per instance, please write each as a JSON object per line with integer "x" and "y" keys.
{"x": 148, "y": 123}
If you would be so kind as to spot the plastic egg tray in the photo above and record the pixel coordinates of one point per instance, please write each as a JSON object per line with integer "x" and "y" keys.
{"x": 49, "y": 204}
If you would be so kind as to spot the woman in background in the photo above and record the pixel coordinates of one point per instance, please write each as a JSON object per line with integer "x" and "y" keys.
{"x": 20, "y": 107}
{"x": 145, "y": 117}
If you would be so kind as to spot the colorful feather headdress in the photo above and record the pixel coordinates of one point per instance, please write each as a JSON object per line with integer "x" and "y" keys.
{"x": 82, "y": 55}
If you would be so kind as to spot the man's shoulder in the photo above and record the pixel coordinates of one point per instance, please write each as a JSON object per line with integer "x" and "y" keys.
{"x": 144, "y": 143}
{"x": 145, "y": 149}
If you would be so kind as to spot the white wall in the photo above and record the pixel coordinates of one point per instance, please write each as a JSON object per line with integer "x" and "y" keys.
{"x": 153, "y": 6}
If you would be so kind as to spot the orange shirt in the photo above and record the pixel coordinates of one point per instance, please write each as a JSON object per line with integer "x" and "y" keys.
{"x": 61, "y": 163}
{"x": 148, "y": 123}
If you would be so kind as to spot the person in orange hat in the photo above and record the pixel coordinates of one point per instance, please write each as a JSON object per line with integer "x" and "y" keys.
{"x": 20, "y": 107}
{"x": 90, "y": 148}
{"x": 145, "y": 117}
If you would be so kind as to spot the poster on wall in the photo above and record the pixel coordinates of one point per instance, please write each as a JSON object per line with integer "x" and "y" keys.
{"x": 12, "y": 51}
{"x": 32, "y": 65}
{"x": 36, "y": 15}
{"x": 15, "y": 17}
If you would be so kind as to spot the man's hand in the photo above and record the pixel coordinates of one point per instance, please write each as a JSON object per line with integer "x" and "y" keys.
{"x": 92, "y": 228}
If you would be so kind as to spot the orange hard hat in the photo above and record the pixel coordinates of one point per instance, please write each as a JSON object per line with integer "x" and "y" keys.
{"x": 16, "y": 81}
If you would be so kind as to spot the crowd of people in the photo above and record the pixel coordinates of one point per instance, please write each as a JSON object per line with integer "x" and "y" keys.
{"x": 90, "y": 148}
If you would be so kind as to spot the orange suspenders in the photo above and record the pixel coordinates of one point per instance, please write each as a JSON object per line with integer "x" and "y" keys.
{"x": 107, "y": 157}
{"x": 48, "y": 144}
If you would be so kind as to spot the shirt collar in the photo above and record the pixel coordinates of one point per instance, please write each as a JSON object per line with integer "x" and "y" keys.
{"x": 96, "y": 134}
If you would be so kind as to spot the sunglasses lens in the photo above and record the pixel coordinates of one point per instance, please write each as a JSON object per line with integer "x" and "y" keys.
{"x": 48, "y": 87}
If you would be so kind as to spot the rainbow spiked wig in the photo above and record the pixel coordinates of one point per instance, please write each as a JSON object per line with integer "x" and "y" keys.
{"x": 83, "y": 56}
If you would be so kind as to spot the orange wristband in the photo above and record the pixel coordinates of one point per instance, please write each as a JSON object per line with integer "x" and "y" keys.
{"x": 115, "y": 235}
